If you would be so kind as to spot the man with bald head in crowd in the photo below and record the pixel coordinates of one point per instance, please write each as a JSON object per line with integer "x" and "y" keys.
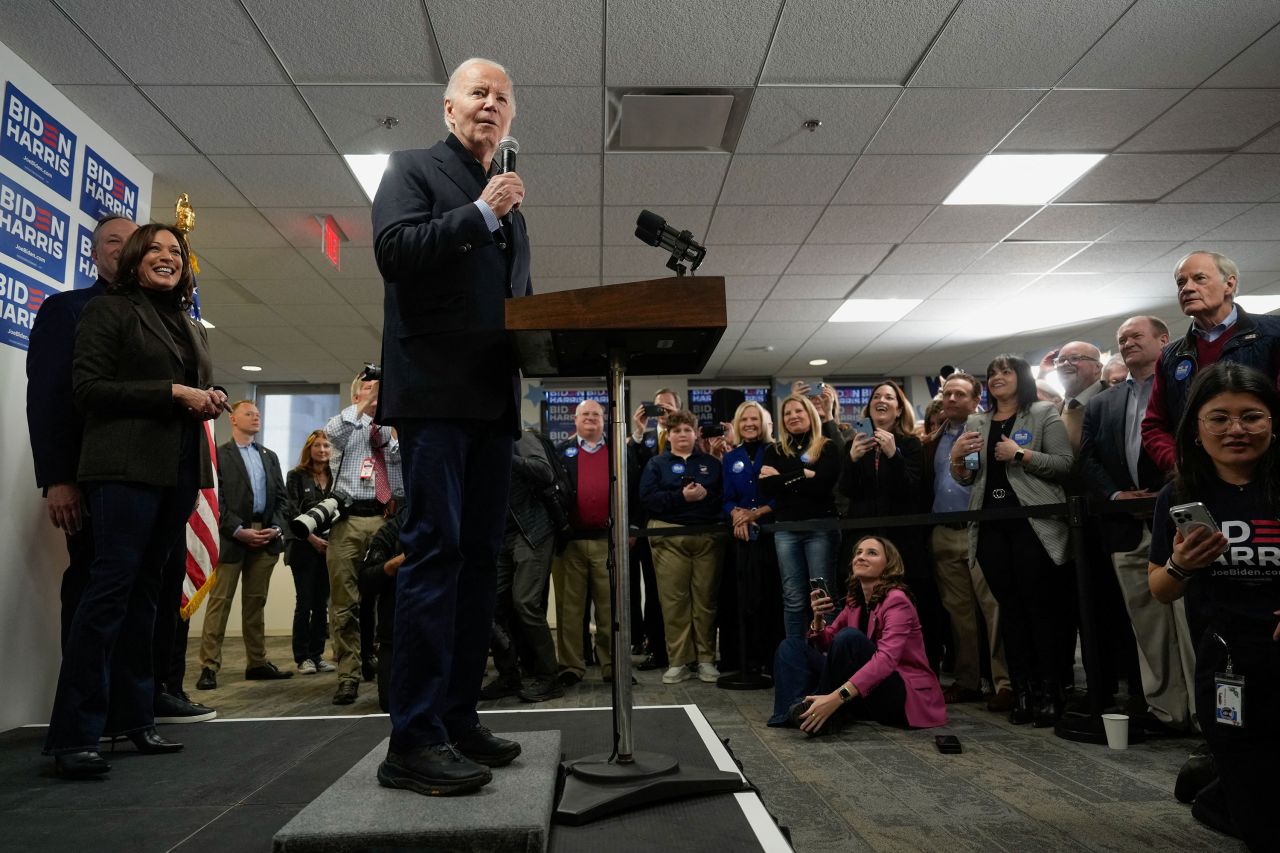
{"x": 581, "y": 571}
{"x": 1079, "y": 367}
{"x": 1220, "y": 331}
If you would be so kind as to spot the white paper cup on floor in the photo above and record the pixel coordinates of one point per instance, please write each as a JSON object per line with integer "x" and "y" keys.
{"x": 1117, "y": 728}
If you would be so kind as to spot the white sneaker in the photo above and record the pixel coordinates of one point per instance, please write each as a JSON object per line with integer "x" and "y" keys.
{"x": 325, "y": 666}
{"x": 307, "y": 667}
{"x": 677, "y": 674}
{"x": 707, "y": 672}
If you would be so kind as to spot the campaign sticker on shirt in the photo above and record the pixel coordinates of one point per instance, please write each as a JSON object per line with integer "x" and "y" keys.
{"x": 703, "y": 469}
{"x": 650, "y": 441}
{"x": 570, "y": 452}
{"x": 677, "y": 468}
{"x": 739, "y": 466}
{"x": 1183, "y": 370}
{"x": 804, "y": 457}
{"x": 1021, "y": 438}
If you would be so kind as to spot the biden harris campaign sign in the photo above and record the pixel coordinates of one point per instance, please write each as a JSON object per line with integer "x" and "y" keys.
{"x": 104, "y": 190}
{"x": 36, "y": 142}
{"x": 20, "y": 299}
{"x": 32, "y": 230}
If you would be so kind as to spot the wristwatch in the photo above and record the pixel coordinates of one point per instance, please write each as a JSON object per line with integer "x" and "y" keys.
{"x": 1176, "y": 572}
{"x": 845, "y": 695}
{"x": 1017, "y": 457}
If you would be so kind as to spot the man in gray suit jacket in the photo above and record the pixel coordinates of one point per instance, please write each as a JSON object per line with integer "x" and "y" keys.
{"x": 251, "y": 501}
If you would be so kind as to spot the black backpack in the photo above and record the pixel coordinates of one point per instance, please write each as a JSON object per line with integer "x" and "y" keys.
{"x": 558, "y": 496}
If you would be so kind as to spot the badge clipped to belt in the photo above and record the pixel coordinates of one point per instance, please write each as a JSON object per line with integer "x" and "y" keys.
{"x": 1228, "y": 703}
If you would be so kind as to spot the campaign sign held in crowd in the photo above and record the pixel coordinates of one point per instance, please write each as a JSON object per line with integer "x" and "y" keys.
{"x": 36, "y": 143}
{"x": 32, "y": 230}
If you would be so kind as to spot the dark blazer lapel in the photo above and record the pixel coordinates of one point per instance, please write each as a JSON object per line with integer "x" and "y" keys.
{"x": 449, "y": 162}
{"x": 1120, "y": 404}
{"x": 151, "y": 320}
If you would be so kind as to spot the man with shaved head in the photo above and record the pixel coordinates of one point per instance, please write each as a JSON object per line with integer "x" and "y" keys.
{"x": 1080, "y": 371}
{"x": 451, "y": 247}
{"x": 1220, "y": 331}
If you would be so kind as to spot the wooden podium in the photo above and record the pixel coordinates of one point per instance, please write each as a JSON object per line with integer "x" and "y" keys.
{"x": 644, "y": 328}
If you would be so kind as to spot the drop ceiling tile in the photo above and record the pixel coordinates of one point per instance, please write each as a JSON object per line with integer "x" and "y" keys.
{"x": 741, "y": 310}
{"x": 790, "y": 179}
{"x": 797, "y": 310}
{"x": 558, "y": 120}
{"x": 1249, "y": 255}
{"x": 879, "y": 223}
{"x": 1116, "y": 257}
{"x": 563, "y": 226}
{"x": 932, "y": 258}
{"x": 539, "y": 43}
{"x": 372, "y": 314}
{"x": 349, "y": 115}
{"x": 971, "y": 223}
{"x": 212, "y": 43}
{"x": 880, "y": 286}
{"x": 732, "y": 41}
{"x": 1260, "y": 223}
{"x": 1125, "y": 58}
{"x": 1083, "y": 285}
{"x": 620, "y": 222}
{"x": 1210, "y": 120}
{"x": 745, "y": 260}
{"x": 240, "y": 318}
{"x": 292, "y": 291}
{"x": 357, "y": 263}
{"x": 1142, "y": 284}
{"x": 992, "y": 43}
{"x": 1240, "y": 177}
{"x": 41, "y": 34}
{"x": 292, "y": 180}
{"x": 838, "y": 260}
{"x": 1255, "y": 67}
{"x": 393, "y": 45}
{"x": 1137, "y": 177}
{"x": 1268, "y": 143}
{"x": 849, "y": 116}
{"x": 761, "y": 224}
{"x": 228, "y": 227}
{"x": 778, "y": 333}
{"x": 985, "y": 286}
{"x": 556, "y": 179}
{"x": 1024, "y": 257}
{"x": 242, "y": 119}
{"x": 247, "y": 264}
{"x": 1077, "y": 221}
{"x": 814, "y": 39}
{"x": 814, "y": 286}
{"x": 1088, "y": 120}
{"x": 173, "y": 174}
{"x": 658, "y": 179}
{"x": 563, "y": 261}
{"x": 360, "y": 291}
{"x": 305, "y": 314}
{"x": 749, "y": 286}
{"x": 129, "y": 118}
{"x": 905, "y": 179}
{"x": 216, "y": 292}
{"x": 555, "y": 285}
{"x": 952, "y": 121}
{"x": 1175, "y": 222}
{"x": 301, "y": 227}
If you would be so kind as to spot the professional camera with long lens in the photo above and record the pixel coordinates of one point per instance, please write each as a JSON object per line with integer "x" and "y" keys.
{"x": 320, "y": 517}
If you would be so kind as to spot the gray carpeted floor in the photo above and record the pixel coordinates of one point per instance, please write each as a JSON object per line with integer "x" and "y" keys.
{"x": 869, "y": 788}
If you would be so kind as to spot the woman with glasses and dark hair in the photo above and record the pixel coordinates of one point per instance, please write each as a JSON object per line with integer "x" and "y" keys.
{"x": 307, "y": 485}
{"x": 141, "y": 376}
{"x": 1225, "y": 564}
{"x": 799, "y": 475}
{"x": 1014, "y": 456}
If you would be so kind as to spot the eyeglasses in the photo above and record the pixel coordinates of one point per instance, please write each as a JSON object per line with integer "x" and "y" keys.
{"x": 1073, "y": 360}
{"x": 1251, "y": 422}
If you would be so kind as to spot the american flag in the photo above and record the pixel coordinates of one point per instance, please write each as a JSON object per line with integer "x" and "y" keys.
{"x": 202, "y": 526}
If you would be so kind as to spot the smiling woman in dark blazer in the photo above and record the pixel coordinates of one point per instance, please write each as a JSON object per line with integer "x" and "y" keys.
{"x": 140, "y": 374}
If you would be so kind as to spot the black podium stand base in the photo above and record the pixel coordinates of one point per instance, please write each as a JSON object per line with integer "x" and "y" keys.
{"x": 744, "y": 680}
{"x": 596, "y": 787}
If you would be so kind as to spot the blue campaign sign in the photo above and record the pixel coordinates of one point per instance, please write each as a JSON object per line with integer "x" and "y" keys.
{"x": 558, "y": 406}
{"x": 20, "y": 299}
{"x": 105, "y": 191}
{"x": 32, "y": 230}
{"x": 86, "y": 269}
{"x": 37, "y": 143}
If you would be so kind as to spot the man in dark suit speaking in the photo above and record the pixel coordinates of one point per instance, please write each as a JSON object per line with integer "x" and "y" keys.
{"x": 451, "y": 247}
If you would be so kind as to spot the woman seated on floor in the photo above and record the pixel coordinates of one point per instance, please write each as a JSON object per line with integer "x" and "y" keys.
{"x": 870, "y": 663}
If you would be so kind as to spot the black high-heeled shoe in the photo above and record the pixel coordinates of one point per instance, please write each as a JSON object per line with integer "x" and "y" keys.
{"x": 81, "y": 765}
{"x": 149, "y": 742}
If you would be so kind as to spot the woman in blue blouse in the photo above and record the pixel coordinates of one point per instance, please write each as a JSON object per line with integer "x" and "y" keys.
{"x": 744, "y": 509}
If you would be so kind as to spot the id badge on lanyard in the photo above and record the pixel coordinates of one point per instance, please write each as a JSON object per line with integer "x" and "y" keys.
{"x": 366, "y": 468}
{"x": 1228, "y": 703}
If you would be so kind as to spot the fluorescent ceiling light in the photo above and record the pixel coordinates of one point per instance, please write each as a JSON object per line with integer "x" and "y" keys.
{"x": 252, "y": 368}
{"x": 1021, "y": 178}
{"x": 368, "y": 169}
{"x": 207, "y": 324}
{"x": 1259, "y": 303}
{"x": 817, "y": 362}
{"x": 873, "y": 310}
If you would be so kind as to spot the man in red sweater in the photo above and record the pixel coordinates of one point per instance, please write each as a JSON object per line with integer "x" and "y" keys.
{"x": 1220, "y": 331}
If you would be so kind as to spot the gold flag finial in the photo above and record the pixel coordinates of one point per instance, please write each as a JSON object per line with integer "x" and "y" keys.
{"x": 185, "y": 214}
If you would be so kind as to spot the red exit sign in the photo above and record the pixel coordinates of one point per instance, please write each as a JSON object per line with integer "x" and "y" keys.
{"x": 331, "y": 238}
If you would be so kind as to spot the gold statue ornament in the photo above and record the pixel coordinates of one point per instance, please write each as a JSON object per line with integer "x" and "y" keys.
{"x": 185, "y": 222}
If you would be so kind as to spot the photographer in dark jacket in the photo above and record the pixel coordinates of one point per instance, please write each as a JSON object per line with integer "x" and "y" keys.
{"x": 523, "y": 567}
{"x": 378, "y": 589}
{"x": 305, "y": 486}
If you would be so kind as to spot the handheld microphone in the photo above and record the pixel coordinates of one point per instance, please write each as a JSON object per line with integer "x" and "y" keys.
{"x": 653, "y": 230}
{"x": 508, "y": 148}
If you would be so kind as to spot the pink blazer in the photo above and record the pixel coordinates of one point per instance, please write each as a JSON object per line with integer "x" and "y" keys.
{"x": 895, "y": 629}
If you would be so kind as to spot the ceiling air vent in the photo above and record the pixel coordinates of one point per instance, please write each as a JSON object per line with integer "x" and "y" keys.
{"x": 663, "y": 120}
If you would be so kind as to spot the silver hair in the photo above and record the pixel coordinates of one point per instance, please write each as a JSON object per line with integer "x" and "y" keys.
{"x": 455, "y": 79}
{"x": 1226, "y": 267}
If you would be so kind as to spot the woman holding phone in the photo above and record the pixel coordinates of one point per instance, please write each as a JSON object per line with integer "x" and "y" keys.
{"x": 1229, "y": 466}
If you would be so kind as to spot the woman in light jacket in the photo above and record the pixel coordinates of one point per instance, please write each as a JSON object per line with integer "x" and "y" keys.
{"x": 1015, "y": 456}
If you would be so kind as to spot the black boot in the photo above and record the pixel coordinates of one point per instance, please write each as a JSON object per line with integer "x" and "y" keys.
{"x": 1023, "y": 704}
{"x": 1048, "y": 705}
{"x": 149, "y": 742}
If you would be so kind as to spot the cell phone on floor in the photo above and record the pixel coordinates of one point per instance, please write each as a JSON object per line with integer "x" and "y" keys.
{"x": 948, "y": 744}
{"x": 1189, "y": 516}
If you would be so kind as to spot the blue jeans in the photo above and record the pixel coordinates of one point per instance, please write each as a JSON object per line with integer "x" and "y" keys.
{"x": 803, "y": 555}
{"x": 800, "y": 670}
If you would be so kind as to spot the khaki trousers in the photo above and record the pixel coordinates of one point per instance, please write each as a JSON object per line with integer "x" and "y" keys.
{"x": 961, "y": 584}
{"x": 348, "y": 541}
{"x": 688, "y": 572}
{"x": 580, "y": 570}
{"x": 255, "y": 568}
{"x": 1166, "y": 654}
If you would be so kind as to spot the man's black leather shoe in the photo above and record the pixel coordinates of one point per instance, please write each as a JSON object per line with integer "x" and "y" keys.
{"x": 346, "y": 694}
{"x": 149, "y": 742}
{"x": 500, "y": 687}
{"x": 652, "y": 662}
{"x": 434, "y": 771}
{"x": 484, "y": 747}
{"x": 81, "y": 765}
{"x": 208, "y": 679}
{"x": 541, "y": 689}
{"x": 265, "y": 672}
